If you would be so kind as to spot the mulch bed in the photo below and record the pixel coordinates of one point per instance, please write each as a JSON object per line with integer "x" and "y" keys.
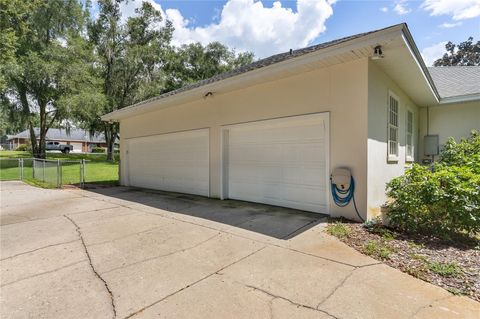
{"x": 417, "y": 255}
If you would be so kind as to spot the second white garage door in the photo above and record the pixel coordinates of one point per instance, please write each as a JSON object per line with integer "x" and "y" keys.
{"x": 77, "y": 147}
{"x": 176, "y": 162}
{"x": 279, "y": 162}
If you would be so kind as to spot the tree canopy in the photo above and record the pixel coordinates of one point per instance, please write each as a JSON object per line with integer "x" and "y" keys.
{"x": 466, "y": 53}
{"x": 41, "y": 62}
{"x": 60, "y": 67}
{"x": 194, "y": 62}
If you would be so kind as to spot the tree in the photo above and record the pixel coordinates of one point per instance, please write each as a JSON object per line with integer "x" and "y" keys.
{"x": 13, "y": 25}
{"x": 467, "y": 53}
{"x": 45, "y": 66}
{"x": 194, "y": 62}
{"x": 130, "y": 56}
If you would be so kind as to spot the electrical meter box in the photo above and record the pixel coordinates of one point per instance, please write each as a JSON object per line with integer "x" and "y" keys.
{"x": 431, "y": 145}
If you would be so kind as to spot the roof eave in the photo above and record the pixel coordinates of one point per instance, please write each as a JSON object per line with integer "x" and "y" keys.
{"x": 460, "y": 99}
{"x": 228, "y": 83}
{"x": 408, "y": 38}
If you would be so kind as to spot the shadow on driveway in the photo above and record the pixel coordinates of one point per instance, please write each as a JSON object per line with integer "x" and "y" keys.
{"x": 274, "y": 221}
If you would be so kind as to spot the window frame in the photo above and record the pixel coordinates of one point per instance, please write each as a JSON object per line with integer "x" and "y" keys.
{"x": 393, "y": 157}
{"x": 409, "y": 158}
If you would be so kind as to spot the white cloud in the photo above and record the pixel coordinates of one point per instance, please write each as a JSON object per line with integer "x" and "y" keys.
{"x": 247, "y": 25}
{"x": 448, "y": 25}
{"x": 128, "y": 7}
{"x": 458, "y": 9}
{"x": 434, "y": 52}
{"x": 384, "y": 9}
{"x": 401, "y": 7}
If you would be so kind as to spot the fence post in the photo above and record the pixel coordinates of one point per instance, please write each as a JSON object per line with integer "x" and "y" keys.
{"x": 84, "y": 170}
{"x": 20, "y": 164}
{"x": 43, "y": 177}
{"x": 82, "y": 173}
{"x": 58, "y": 173}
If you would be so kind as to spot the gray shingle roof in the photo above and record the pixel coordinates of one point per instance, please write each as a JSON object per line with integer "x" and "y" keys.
{"x": 62, "y": 135}
{"x": 259, "y": 64}
{"x": 453, "y": 81}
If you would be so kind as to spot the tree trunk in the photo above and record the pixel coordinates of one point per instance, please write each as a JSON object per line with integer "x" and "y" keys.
{"x": 110, "y": 136}
{"x": 33, "y": 139}
{"x": 43, "y": 131}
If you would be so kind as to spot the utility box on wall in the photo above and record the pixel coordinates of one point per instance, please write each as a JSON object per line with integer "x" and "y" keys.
{"x": 431, "y": 145}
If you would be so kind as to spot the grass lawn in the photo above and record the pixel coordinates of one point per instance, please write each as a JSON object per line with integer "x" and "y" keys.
{"x": 97, "y": 169}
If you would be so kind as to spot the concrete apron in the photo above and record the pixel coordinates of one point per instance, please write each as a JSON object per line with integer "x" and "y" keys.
{"x": 122, "y": 253}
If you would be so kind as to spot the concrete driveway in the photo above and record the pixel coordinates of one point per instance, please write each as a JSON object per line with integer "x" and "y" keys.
{"x": 124, "y": 253}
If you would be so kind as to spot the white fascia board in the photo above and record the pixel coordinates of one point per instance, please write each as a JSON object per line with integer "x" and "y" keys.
{"x": 234, "y": 82}
{"x": 417, "y": 57}
{"x": 460, "y": 99}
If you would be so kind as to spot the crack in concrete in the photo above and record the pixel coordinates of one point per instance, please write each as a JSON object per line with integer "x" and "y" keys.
{"x": 37, "y": 249}
{"x": 336, "y": 288}
{"x": 43, "y": 273}
{"x": 164, "y": 255}
{"x": 193, "y": 284}
{"x": 370, "y": 265}
{"x": 112, "y": 301}
{"x": 286, "y": 299}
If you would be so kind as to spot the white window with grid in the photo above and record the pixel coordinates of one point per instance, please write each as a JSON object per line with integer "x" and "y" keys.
{"x": 409, "y": 152}
{"x": 393, "y": 115}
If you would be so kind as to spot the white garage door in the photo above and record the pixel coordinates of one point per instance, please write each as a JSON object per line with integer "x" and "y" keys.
{"x": 177, "y": 162}
{"x": 77, "y": 147}
{"x": 280, "y": 162}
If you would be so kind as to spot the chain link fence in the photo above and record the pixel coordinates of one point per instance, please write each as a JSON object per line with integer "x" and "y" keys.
{"x": 53, "y": 173}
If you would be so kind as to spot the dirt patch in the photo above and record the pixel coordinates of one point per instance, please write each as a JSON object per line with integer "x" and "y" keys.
{"x": 454, "y": 266}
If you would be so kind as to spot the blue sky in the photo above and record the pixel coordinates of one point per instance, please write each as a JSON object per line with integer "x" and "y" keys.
{"x": 269, "y": 27}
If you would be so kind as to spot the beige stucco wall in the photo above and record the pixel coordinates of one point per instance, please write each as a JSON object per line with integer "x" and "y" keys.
{"x": 449, "y": 120}
{"x": 340, "y": 89}
{"x": 380, "y": 171}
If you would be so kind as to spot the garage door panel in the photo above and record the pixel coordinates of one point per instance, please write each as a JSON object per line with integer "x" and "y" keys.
{"x": 289, "y": 175}
{"x": 285, "y": 195}
{"x": 77, "y": 147}
{"x": 279, "y": 162}
{"x": 177, "y": 162}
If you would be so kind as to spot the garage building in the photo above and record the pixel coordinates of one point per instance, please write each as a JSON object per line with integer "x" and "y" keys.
{"x": 273, "y": 131}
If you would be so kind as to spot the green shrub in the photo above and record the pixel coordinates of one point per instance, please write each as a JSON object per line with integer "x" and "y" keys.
{"x": 23, "y": 148}
{"x": 464, "y": 153}
{"x": 443, "y": 198}
{"x": 98, "y": 149}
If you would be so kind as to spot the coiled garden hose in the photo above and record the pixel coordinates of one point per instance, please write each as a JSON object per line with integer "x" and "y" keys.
{"x": 342, "y": 197}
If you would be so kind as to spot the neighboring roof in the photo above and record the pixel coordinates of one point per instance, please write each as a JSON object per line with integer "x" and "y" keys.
{"x": 453, "y": 81}
{"x": 76, "y": 135}
{"x": 274, "y": 59}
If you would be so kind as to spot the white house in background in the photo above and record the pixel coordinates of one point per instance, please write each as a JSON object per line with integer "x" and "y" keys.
{"x": 81, "y": 140}
{"x": 274, "y": 130}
